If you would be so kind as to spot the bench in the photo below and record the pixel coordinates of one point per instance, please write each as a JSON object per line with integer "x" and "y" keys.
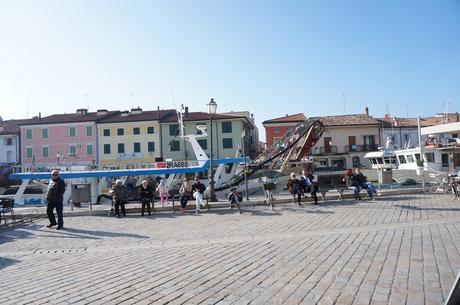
{"x": 340, "y": 192}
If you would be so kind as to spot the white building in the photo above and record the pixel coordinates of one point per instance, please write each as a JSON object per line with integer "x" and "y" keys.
{"x": 10, "y": 148}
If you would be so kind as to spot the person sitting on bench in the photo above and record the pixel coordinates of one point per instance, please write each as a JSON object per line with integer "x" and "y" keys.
{"x": 359, "y": 182}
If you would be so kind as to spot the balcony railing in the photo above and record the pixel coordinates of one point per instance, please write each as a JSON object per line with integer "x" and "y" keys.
{"x": 369, "y": 147}
{"x": 330, "y": 150}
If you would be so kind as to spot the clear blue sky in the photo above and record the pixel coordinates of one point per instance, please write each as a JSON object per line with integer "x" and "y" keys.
{"x": 268, "y": 57}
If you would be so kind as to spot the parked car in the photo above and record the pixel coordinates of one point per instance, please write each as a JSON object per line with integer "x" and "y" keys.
{"x": 33, "y": 194}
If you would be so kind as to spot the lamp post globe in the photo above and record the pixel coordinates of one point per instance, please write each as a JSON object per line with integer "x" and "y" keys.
{"x": 212, "y": 107}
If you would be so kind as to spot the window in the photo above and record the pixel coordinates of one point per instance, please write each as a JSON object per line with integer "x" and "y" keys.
{"x": 137, "y": 147}
{"x": 410, "y": 159}
{"x": 89, "y": 149}
{"x": 72, "y": 150}
{"x": 120, "y": 131}
{"x": 429, "y": 157}
{"x": 45, "y": 151}
{"x": 151, "y": 146}
{"x": 173, "y": 130}
{"x": 175, "y": 145}
{"x": 136, "y": 130}
{"x": 227, "y": 143}
{"x": 28, "y": 134}
{"x": 72, "y": 132}
{"x": 29, "y": 152}
{"x": 150, "y": 130}
{"x": 89, "y": 131}
{"x": 121, "y": 148}
{"x": 402, "y": 160}
{"x": 276, "y": 130}
{"x": 226, "y": 127}
{"x": 45, "y": 133}
{"x": 8, "y": 141}
{"x": 203, "y": 143}
{"x": 106, "y": 132}
{"x": 106, "y": 149}
{"x": 417, "y": 156}
{"x": 356, "y": 161}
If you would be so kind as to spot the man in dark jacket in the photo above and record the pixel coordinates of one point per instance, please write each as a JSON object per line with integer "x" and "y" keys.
{"x": 119, "y": 197}
{"x": 55, "y": 197}
{"x": 146, "y": 196}
{"x": 308, "y": 185}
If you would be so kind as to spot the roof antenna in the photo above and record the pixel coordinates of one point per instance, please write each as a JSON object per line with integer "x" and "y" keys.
{"x": 344, "y": 103}
{"x": 445, "y": 118}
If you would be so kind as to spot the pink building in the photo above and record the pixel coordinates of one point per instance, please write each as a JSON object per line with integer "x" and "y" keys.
{"x": 62, "y": 139}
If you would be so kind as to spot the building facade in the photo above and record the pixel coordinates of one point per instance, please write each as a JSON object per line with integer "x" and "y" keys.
{"x": 278, "y": 127}
{"x": 231, "y": 134}
{"x": 61, "y": 140}
{"x": 10, "y": 141}
{"x": 130, "y": 139}
{"x": 345, "y": 141}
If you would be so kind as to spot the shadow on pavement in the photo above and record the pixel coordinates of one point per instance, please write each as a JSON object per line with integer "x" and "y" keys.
{"x": 5, "y": 262}
{"x": 415, "y": 208}
{"x": 88, "y": 234}
{"x": 17, "y": 232}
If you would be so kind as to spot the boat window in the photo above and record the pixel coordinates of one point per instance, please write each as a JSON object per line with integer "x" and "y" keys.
{"x": 389, "y": 160}
{"x": 379, "y": 160}
{"x": 410, "y": 159}
{"x": 417, "y": 156}
{"x": 339, "y": 163}
{"x": 445, "y": 160}
{"x": 321, "y": 163}
{"x": 429, "y": 157}
{"x": 228, "y": 168}
{"x": 356, "y": 161}
{"x": 402, "y": 160}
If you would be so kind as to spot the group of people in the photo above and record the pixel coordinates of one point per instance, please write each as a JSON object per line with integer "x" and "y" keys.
{"x": 299, "y": 187}
{"x": 146, "y": 195}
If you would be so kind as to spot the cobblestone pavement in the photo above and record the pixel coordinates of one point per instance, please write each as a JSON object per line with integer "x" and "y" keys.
{"x": 396, "y": 250}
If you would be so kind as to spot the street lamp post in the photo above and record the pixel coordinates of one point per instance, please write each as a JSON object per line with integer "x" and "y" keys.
{"x": 58, "y": 156}
{"x": 212, "y": 107}
{"x": 332, "y": 163}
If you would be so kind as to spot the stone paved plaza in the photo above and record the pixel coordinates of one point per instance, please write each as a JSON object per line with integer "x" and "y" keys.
{"x": 396, "y": 250}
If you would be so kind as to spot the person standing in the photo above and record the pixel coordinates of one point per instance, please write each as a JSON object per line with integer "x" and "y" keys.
{"x": 55, "y": 197}
{"x": 146, "y": 196}
{"x": 120, "y": 197}
{"x": 163, "y": 190}
{"x": 185, "y": 193}
{"x": 198, "y": 189}
{"x": 294, "y": 188}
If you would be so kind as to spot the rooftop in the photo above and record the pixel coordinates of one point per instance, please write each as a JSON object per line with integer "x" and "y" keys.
{"x": 293, "y": 118}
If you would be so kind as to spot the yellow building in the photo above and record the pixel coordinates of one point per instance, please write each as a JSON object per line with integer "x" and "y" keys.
{"x": 130, "y": 139}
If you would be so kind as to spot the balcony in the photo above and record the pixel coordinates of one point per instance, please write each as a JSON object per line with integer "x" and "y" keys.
{"x": 323, "y": 151}
{"x": 361, "y": 148}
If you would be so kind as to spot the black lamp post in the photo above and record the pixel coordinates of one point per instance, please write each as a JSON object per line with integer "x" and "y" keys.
{"x": 212, "y": 107}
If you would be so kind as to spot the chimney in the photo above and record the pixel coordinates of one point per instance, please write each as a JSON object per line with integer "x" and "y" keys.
{"x": 457, "y": 116}
{"x": 185, "y": 111}
{"x": 395, "y": 122}
{"x": 366, "y": 111}
{"x": 102, "y": 111}
{"x": 82, "y": 111}
{"x": 124, "y": 113}
{"x": 158, "y": 112}
{"x": 137, "y": 110}
{"x": 39, "y": 117}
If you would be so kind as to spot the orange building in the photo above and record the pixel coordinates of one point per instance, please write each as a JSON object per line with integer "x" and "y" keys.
{"x": 276, "y": 128}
